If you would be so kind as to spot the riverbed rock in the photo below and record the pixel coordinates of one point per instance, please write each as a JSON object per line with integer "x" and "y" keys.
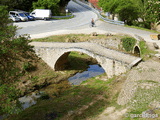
{"x": 155, "y": 45}
{"x": 109, "y": 34}
{"x": 94, "y": 34}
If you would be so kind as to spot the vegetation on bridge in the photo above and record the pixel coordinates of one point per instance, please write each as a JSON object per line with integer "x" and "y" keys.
{"x": 128, "y": 43}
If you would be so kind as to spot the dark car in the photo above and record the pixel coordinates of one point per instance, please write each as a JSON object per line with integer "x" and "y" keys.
{"x": 29, "y": 16}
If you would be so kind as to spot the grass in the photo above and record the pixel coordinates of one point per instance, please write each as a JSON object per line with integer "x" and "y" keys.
{"x": 71, "y": 102}
{"x": 69, "y": 38}
{"x": 79, "y": 61}
{"x": 63, "y": 18}
{"x": 145, "y": 51}
{"x": 78, "y": 102}
{"x": 142, "y": 28}
{"x": 63, "y": 98}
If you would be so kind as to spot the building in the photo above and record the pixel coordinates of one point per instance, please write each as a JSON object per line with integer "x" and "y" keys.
{"x": 94, "y": 3}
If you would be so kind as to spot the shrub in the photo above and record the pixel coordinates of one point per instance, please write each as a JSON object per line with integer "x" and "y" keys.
{"x": 128, "y": 43}
{"x": 145, "y": 51}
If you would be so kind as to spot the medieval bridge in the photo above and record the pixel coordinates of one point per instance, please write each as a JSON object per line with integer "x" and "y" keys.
{"x": 113, "y": 62}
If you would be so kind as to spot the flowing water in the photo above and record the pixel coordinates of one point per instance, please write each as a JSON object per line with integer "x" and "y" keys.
{"x": 92, "y": 71}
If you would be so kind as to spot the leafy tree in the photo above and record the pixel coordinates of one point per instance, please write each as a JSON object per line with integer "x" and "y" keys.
{"x": 25, "y": 5}
{"x": 47, "y": 4}
{"x": 131, "y": 10}
{"x": 126, "y": 9}
{"x": 13, "y": 51}
{"x": 109, "y": 6}
{"x": 10, "y": 3}
{"x": 149, "y": 12}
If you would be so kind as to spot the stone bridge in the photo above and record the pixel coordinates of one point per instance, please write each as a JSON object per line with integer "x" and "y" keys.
{"x": 113, "y": 62}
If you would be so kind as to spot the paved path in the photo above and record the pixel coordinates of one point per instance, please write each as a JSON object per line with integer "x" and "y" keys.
{"x": 112, "y": 54}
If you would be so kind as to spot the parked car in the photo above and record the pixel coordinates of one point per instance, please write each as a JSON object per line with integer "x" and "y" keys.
{"x": 14, "y": 18}
{"x": 29, "y": 16}
{"x": 20, "y": 15}
{"x": 41, "y": 14}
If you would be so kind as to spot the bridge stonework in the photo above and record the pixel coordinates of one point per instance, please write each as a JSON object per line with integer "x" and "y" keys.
{"x": 57, "y": 57}
{"x": 112, "y": 61}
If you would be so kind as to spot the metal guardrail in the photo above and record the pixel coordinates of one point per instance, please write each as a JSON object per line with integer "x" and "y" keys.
{"x": 86, "y": 5}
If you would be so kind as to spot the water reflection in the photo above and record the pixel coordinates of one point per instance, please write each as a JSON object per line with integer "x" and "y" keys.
{"x": 92, "y": 71}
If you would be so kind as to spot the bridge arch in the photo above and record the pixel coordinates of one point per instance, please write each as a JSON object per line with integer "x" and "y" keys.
{"x": 137, "y": 51}
{"x": 62, "y": 60}
{"x": 111, "y": 66}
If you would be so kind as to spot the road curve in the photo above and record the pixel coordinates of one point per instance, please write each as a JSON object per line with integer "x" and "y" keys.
{"x": 82, "y": 17}
{"x": 78, "y": 24}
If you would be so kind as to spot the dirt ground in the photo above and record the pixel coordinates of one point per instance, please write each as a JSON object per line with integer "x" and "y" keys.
{"x": 147, "y": 70}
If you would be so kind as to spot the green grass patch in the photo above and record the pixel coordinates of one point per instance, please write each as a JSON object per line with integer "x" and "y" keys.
{"x": 71, "y": 101}
{"x": 63, "y": 17}
{"x": 142, "y": 28}
{"x": 145, "y": 51}
{"x": 79, "y": 61}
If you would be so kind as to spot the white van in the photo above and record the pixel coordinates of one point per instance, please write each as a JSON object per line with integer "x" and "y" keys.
{"x": 41, "y": 14}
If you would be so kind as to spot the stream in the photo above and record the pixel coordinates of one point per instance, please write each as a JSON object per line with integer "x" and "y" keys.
{"x": 77, "y": 79}
{"x": 92, "y": 71}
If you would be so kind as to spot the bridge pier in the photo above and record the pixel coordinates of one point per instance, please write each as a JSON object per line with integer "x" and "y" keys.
{"x": 112, "y": 67}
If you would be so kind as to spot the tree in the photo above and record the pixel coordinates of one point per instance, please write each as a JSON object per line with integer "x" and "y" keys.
{"x": 130, "y": 11}
{"x": 25, "y": 5}
{"x": 13, "y": 51}
{"x": 126, "y": 9}
{"x": 10, "y": 3}
{"x": 109, "y": 6}
{"x": 47, "y": 4}
{"x": 154, "y": 13}
{"x": 149, "y": 12}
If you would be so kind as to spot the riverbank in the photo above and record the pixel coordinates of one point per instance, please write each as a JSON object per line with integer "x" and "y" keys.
{"x": 77, "y": 102}
{"x": 98, "y": 98}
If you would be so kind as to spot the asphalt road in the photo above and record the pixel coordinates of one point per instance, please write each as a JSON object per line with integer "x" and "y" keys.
{"x": 82, "y": 17}
{"x": 78, "y": 24}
